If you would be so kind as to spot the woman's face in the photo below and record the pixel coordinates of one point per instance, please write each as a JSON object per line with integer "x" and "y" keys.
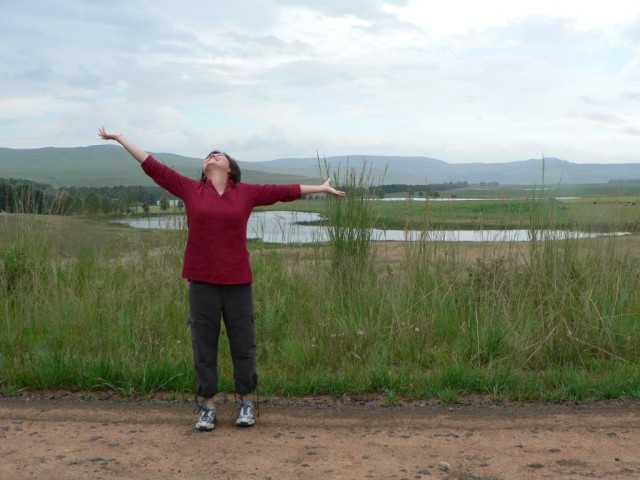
{"x": 217, "y": 161}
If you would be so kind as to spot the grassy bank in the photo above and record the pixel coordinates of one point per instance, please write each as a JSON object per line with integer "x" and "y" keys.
{"x": 84, "y": 305}
{"x": 611, "y": 209}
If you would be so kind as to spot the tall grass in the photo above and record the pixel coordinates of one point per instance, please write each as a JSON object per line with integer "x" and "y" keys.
{"x": 95, "y": 320}
{"x": 546, "y": 319}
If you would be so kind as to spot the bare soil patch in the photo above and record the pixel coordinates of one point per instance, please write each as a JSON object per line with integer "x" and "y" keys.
{"x": 102, "y": 437}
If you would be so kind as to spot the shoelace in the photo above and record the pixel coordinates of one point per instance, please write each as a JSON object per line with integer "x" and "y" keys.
{"x": 208, "y": 414}
{"x": 204, "y": 409}
{"x": 199, "y": 406}
{"x": 245, "y": 410}
{"x": 254, "y": 406}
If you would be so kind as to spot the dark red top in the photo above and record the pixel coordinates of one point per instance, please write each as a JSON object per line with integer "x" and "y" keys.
{"x": 216, "y": 249}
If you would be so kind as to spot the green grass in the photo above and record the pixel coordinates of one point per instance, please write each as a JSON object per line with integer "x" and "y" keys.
{"x": 91, "y": 306}
{"x": 606, "y": 208}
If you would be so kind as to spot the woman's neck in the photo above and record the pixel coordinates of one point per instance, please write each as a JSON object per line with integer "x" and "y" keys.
{"x": 219, "y": 182}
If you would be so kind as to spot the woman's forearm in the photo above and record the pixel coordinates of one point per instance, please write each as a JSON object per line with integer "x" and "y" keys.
{"x": 311, "y": 189}
{"x": 136, "y": 152}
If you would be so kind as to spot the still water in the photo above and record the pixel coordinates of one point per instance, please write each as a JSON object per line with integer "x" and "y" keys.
{"x": 291, "y": 227}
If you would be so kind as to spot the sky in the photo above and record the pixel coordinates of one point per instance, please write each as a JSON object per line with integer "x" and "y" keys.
{"x": 460, "y": 81}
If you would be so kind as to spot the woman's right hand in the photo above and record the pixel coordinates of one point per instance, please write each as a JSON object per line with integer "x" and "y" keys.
{"x": 108, "y": 136}
{"x": 136, "y": 152}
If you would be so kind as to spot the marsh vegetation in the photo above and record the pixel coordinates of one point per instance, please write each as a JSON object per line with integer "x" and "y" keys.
{"x": 89, "y": 305}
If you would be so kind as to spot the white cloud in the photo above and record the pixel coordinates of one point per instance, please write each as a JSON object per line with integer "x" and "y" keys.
{"x": 460, "y": 16}
{"x": 460, "y": 80}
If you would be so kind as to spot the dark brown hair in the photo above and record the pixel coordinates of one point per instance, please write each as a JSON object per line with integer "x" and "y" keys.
{"x": 235, "y": 174}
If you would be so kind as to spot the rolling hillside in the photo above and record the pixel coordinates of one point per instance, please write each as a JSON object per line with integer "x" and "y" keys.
{"x": 110, "y": 165}
{"x": 423, "y": 170}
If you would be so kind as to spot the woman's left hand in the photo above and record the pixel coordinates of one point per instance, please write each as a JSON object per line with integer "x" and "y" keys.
{"x": 329, "y": 189}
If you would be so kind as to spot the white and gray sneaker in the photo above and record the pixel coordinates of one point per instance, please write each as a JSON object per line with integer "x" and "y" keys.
{"x": 207, "y": 420}
{"x": 245, "y": 416}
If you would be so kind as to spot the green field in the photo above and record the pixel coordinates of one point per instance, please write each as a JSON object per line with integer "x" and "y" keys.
{"x": 597, "y": 208}
{"x": 87, "y": 305}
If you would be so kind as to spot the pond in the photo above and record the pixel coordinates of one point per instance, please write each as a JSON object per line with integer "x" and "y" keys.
{"x": 294, "y": 227}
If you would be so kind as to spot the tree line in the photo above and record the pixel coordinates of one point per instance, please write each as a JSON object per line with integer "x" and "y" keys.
{"x": 629, "y": 181}
{"x": 25, "y": 196}
{"x": 429, "y": 190}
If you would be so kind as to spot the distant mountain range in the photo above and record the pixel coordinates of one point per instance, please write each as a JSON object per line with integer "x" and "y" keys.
{"x": 110, "y": 165}
{"x": 425, "y": 170}
{"x": 107, "y": 166}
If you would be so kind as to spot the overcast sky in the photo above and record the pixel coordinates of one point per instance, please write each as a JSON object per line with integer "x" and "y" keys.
{"x": 461, "y": 81}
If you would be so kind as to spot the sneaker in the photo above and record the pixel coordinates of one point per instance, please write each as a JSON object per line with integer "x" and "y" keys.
{"x": 245, "y": 416}
{"x": 207, "y": 420}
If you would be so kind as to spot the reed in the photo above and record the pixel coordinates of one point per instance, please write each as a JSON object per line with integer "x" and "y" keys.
{"x": 545, "y": 320}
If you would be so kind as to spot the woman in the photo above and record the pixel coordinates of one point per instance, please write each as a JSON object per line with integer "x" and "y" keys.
{"x": 216, "y": 264}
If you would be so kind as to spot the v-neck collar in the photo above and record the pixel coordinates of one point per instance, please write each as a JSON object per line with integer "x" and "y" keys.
{"x": 226, "y": 187}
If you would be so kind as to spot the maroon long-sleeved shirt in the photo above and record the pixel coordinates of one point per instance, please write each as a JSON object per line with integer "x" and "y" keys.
{"x": 216, "y": 250}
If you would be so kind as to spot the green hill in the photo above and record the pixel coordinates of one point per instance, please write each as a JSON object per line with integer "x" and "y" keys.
{"x": 425, "y": 170}
{"x": 108, "y": 165}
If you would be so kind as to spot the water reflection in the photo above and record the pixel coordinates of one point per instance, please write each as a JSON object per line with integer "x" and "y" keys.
{"x": 291, "y": 227}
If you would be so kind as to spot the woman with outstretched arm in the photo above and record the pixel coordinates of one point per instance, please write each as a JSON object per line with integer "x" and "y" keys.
{"x": 216, "y": 264}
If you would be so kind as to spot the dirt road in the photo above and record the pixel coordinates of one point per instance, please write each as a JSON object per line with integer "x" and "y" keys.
{"x": 75, "y": 438}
